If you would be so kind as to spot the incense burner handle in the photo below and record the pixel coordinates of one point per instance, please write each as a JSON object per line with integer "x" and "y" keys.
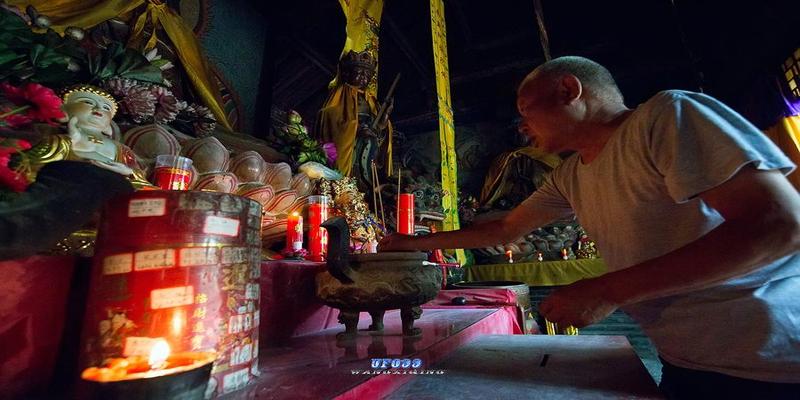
{"x": 339, "y": 249}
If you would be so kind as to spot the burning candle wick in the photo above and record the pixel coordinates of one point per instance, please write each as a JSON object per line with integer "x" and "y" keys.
{"x": 158, "y": 354}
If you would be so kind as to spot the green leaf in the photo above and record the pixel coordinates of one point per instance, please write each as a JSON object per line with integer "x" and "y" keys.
{"x": 36, "y": 53}
{"x": 54, "y": 73}
{"x": 160, "y": 62}
{"x": 130, "y": 60}
{"x": 107, "y": 71}
{"x": 148, "y": 73}
{"x": 8, "y": 57}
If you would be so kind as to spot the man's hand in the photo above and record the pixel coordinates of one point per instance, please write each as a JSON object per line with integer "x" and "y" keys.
{"x": 396, "y": 242}
{"x": 580, "y": 304}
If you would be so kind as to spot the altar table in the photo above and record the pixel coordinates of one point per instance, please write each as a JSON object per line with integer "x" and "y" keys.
{"x": 537, "y": 367}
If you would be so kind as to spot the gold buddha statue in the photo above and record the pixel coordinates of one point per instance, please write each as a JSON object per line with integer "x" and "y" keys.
{"x": 89, "y": 137}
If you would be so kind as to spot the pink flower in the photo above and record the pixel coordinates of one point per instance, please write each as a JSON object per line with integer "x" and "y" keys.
{"x": 15, "y": 120}
{"x": 12, "y": 179}
{"x": 330, "y": 152}
{"x": 42, "y": 103}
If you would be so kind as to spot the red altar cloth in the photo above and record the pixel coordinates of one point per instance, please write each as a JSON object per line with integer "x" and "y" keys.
{"x": 33, "y": 303}
{"x": 291, "y": 308}
{"x": 318, "y": 366}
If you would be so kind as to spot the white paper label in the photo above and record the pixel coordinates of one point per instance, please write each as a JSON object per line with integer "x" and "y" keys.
{"x": 234, "y": 255}
{"x": 118, "y": 264}
{"x": 190, "y": 257}
{"x": 235, "y": 380}
{"x": 138, "y": 346}
{"x": 171, "y": 297}
{"x": 235, "y": 324}
{"x": 221, "y": 226}
{"x": 154, "y": 259}
{"x": 147, "y": 207}
{"x": 252, "y": 291}
{"x": 247, "y": 324}
{"x": 241, "y": 354}
{"x": 254, "y": 366}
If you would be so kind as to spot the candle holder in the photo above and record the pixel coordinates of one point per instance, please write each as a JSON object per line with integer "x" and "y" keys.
{"x": 173, "y": 172}
{"x": 294, "y": 232}
{"x": 183, "y": 376}
{"x": 318, "y": 207}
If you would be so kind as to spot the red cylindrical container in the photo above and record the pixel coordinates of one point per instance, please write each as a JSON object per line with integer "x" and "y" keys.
{"x": 317, "y": 236}
{"x": 405, "y": 214}
{"x": 183, "y": 266}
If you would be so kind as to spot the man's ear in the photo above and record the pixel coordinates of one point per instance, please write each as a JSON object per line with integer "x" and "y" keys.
{"x": 569, "y": 89}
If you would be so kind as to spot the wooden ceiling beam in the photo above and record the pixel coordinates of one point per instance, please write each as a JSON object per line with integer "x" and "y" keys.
{"x": 408, "y": 50}
{"x": 311, "y": 54}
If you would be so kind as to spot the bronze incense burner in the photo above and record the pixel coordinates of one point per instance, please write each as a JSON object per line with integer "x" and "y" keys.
{"x": 374, "y": 283}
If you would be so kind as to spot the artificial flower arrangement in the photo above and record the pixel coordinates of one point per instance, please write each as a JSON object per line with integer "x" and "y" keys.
{"x": 290, "y": 136}
{"x": 21, "y": 106}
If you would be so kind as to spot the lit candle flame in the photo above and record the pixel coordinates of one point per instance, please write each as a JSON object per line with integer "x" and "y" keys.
{"x": 510, "y": 256}
{"x": 158, "y": 354}
{"x": 178, "y": 322}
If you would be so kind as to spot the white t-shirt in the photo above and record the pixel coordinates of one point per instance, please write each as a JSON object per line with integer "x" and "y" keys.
{"x": 638, "y": 200}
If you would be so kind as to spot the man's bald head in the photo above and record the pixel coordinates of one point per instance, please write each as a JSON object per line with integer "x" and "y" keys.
{"x": 594, "y": 78}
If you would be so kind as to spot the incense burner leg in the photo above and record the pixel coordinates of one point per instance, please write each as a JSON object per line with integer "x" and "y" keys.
{"x": 377, "y": 321}
{"x": 350, "y": 320}
{"x": 407, "y": 316}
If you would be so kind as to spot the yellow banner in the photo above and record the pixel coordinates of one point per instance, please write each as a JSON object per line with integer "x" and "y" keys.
{"x": 446, "y": 124}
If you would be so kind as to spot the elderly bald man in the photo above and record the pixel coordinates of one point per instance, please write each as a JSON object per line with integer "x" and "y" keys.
{"x": 690, "y": 209}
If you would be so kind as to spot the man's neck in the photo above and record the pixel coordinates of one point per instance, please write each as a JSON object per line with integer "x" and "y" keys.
{"x": 600, "y": 127}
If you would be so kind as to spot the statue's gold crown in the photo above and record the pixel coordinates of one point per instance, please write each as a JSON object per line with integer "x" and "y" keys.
{"x": 358, "y": 59}
{"x": 90, "y": 89}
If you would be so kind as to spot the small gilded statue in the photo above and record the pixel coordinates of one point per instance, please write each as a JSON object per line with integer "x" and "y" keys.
{"x": 89, "y": 137}
{"x": 352, "y": 119}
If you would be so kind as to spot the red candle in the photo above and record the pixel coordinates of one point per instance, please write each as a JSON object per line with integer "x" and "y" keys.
{"x": 173, "y": 172}
{"x": 294, "y": 232}
{"x": 318, "y": 236}
{"x": 405, "y": 214}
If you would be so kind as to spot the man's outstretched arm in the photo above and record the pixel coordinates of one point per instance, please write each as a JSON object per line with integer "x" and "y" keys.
{"x": 762, "y": 224}
{"x": 518, "y": 222}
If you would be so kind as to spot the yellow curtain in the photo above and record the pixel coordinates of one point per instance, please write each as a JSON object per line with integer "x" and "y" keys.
{"x": 189, "y": 52}
{"x": 363, "y": 25}
{"x": 88, "y": 13}
{"x": 446, "y": 125}
{"x": 786, "y": 134}
{"x": 338, "y": 123}
{"x": 545, "y": 273}
{"x": 80, "y": 13}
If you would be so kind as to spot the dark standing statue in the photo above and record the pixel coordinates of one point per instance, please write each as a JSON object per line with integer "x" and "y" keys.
{"x": 374, "y": 283}
{"x": 349, "y": 118}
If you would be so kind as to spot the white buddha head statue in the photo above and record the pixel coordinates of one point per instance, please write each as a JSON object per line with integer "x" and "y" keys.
{"x": 92, "y": 107}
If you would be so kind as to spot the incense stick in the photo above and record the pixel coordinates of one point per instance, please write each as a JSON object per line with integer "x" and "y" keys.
{"x": 399, "y": 174}
{"x": 376, "y": 188}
